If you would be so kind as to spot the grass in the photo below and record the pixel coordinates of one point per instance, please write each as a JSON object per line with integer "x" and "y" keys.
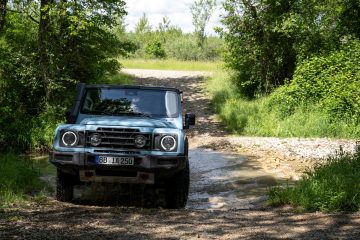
{"x": 258, "y": 118}
{"x": 19, "y": 179}
{"x": 332, "y": 187}
{"x": 170, "y": 64}
{"x": 118, "y": 78}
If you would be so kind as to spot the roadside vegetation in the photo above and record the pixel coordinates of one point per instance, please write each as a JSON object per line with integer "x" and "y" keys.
{"x": 287, "y": 76}
{"x": 332, "y": 187}
{"x": 319, "y": 101}
{"x": 19, "y": 179}
{"x": 171, "y": 64}
{"x": 47, "y": 47}
{"x": 293, "y": 71}
{"x": 168, "y": 41}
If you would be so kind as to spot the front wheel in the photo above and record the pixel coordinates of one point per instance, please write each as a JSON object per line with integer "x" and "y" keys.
{"x": 64, "y": 187}
{"x": 178, "y": 189}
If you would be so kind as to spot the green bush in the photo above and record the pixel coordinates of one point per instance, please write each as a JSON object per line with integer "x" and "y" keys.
{"x": 40, "y": 64}
{"x": 154, "y": 49}
{"x": 262, "y": 117}
{"x": 329, "y": 82}
{"x": 334, "y": 186}
{"x": 186, "y": 48}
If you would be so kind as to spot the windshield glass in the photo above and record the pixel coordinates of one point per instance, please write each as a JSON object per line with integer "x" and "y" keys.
{"x": 107, "y": 101}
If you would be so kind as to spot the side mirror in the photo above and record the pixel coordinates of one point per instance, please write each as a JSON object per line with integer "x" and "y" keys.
{"x": 189, "y": 120}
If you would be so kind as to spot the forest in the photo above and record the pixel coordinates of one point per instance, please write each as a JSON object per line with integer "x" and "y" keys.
{"x": 284, "y": 61}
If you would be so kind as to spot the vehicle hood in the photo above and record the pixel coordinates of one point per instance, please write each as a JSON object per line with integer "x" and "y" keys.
{"x": 127, "y": 121}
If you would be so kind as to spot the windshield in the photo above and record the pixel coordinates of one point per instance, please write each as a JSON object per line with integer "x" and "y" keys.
{"x": 146, "y": 102}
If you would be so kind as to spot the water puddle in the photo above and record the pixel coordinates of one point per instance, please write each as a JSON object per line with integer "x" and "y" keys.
{"x": 222, "y": 181}
{"x": 219, "y": 181}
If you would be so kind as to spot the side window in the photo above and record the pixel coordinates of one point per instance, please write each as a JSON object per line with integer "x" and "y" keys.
{"x": 88, "y": 104}
{"x": 171, "y": 102}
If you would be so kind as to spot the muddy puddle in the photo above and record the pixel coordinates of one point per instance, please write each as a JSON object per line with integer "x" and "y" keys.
{"x": 222, "y": 181}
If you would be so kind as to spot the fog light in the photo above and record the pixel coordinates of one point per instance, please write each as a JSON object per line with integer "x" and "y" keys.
{"x": 140, "y": 141}
{"x": 95, "y": 139}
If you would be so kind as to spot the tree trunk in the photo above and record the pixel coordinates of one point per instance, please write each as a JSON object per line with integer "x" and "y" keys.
{"x": 43, "y": 46}
{"x": 3, "y": 4}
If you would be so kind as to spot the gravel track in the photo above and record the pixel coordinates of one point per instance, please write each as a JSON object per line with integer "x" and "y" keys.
{"x": 229, "y": 174}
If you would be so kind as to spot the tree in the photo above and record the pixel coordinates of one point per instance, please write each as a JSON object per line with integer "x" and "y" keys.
{"x": 143, "y": 26}
{"x": 79, "y": 42}
{"x": 266, "y": 38}
{"x": 46, "y": 47}
{"x": 3, "y": 4}
{"x": 201, "y": 12}
{"x": 43, "y": 46}
{"x": 165, "y": 24}
{"x": 261, "y": 55}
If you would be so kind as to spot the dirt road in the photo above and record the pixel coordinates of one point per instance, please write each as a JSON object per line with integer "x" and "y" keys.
{"x": 229, "y": 179}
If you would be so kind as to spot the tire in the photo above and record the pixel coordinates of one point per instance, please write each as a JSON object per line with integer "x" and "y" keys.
{"x": 64, "y": 187}
{"x": 178, "y": 189}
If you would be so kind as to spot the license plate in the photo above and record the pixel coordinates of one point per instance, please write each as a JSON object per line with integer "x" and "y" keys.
{"x": 119, "y": 161}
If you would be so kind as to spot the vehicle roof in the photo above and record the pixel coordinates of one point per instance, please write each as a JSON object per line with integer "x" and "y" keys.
{"x": 132, "y": 87}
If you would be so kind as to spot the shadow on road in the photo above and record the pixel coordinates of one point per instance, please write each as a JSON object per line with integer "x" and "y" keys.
{"x": 64, "y": 221}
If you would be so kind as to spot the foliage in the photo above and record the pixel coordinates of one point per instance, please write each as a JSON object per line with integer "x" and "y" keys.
{"x": 261, "y": 56}
{"x": 18, "y": 179}
{"x": 155, "y": 49}
{"x": 265, "y": 39}
{"x": 311, "y": 47}
{"x": 262, "y": 118}
{"x": 201, "y": 11}
{"x": 330, "y": 82}
{"x": 143, "y": 26}
{"x": 333, "y": 186}
{"x": 46, "y": 47}
{"x": 186, "y": 48}
{"x": 170, "y": 64}
{"x": 168, "y": 41}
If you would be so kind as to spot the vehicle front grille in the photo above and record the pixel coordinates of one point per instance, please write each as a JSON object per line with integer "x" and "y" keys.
{"x": 119, "y": 138}
{"x": 117, "y": 151}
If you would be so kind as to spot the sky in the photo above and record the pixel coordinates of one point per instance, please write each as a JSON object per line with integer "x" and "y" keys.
{"x": 178, "y": 11}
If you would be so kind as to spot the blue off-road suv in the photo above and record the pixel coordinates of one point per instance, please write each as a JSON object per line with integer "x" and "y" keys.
{"x": 132, "y": 135}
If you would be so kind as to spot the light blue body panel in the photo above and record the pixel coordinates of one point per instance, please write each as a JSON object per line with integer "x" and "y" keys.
{"x": 144, "y": 124}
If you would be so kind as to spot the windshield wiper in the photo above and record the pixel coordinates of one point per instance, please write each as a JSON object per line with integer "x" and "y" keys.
{"x": 98, "y": 112}
{"x": 120, "y": 113}
{"x": 139, "y": 114}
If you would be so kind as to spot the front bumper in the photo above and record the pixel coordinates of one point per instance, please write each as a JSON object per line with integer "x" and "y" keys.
{"x": 147, "y": 169}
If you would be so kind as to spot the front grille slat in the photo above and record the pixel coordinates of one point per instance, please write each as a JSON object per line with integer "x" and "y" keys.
{"x": 119, "y": 138}
{"x": 117, "y": 151}
{"x": 122, "y": 138}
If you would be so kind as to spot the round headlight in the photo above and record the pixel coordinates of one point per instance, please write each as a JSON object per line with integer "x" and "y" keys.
{"x": 140, "y": 141}
{"x": 69, "y": 139}
{"x": 95, "y": 139}
{"x": 168, "y": 143}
